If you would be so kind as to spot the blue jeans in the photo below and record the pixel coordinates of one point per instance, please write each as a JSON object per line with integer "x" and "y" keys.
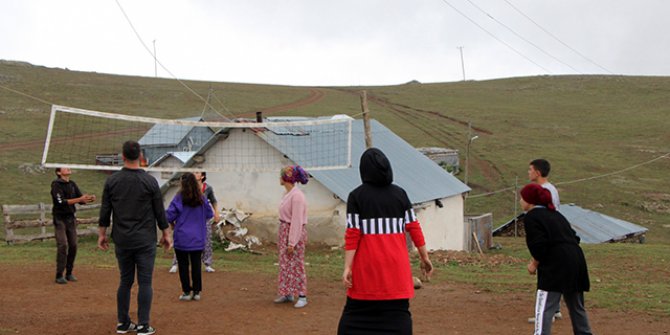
{"x": 130, "y": 260}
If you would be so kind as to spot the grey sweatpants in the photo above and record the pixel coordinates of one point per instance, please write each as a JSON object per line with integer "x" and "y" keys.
{"x": 546, "y": 304}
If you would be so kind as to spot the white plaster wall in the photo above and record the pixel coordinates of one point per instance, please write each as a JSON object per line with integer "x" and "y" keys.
{"x": 259, "y": 192}
{"x": 443, "y": 228}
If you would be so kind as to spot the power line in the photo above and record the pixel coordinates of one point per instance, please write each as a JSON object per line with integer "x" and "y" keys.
{"x": 161, "y": 64}
{"x": 495, "y": 37}
{"x": 557, "y": 39}
{"x": 581, "y": 179}
{"x": 523, "y": 38}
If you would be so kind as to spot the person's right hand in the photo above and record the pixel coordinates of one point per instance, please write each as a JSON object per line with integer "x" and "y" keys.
{"x": 346, "y": 278}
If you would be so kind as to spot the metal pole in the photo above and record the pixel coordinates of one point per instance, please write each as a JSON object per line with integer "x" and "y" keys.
{"x": 155, "y": 61}
{"x": 462, "y": 62}
{"x": 516, "y": 201}
{"x": 467, "y": 153}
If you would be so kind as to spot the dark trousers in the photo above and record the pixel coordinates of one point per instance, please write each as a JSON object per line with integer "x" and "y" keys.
{"x": 546, "y": 305}
{"x": 375, "y": 317}
{"x": 140, "y": 260}
{"x": 183, "y": 260}
{"x": 66, "y": 243}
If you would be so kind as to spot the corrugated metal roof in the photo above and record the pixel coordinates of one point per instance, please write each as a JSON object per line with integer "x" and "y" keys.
{"x": 182, "y": 156}
{"x": 594, "y": 227}
{"x": 591, "y": 226}
{"x": 422, "y": 179}
{"x": 164, "y": 134}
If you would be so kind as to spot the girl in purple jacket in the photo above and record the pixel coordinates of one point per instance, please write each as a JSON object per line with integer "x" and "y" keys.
{"x": 188, "y": 214}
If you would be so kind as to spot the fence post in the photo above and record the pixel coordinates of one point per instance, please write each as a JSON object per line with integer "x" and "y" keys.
{"x": 43, "y": 228}
{"x": 9, "y": 233}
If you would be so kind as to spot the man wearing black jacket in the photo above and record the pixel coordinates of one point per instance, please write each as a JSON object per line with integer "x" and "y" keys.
{"x": 133, "y": 199}
{"x": 65, "y": 194}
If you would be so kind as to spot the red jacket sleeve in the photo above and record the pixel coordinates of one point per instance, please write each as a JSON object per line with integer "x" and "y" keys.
{"x": 414, "y": 228}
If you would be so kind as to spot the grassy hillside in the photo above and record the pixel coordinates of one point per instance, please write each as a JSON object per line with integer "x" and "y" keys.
{"x": 585, "y": 125}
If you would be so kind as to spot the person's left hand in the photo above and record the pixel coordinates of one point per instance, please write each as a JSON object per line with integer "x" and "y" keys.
{"x": 166, "y": 241}
{"x": 426, "y": 269}
{"x": 532, "y": 268}
{"x": 290, "y": 249}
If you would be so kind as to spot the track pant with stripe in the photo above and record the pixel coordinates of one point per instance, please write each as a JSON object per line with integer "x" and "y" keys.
{"x": 546, "y": 305}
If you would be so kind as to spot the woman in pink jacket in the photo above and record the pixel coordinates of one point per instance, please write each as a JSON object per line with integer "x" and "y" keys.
{"x": 292, "y": 237}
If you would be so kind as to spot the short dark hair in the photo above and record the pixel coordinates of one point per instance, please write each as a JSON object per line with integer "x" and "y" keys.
{"x": 541, "y": 165}
{"x": 57, "y": 171}
{"x": 131, "y": 150}
{"x": 204, "y": 175}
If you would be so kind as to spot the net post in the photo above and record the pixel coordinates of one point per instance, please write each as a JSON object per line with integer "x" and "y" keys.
{"x": 47, "y": 141}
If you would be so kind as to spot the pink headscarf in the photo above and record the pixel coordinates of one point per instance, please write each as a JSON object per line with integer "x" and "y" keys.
{"x": 294, "y": 173}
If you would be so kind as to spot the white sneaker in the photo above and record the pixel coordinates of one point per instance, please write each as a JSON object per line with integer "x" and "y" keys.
{"x": 302, "y": 302}
{"x": 185, "y": 296}
{"x": 196, "y": 296}
{"x": 209, "y": 269}
{"x": 558, "y": 315}
{"x": 283, "y": 299}
{"x": 173, "y": 269}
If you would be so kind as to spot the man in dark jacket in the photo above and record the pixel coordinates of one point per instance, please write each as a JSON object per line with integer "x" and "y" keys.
{"x": 132, "y": 197}
{"x": 561, "y": 267}
{"x": 65, "y": 194}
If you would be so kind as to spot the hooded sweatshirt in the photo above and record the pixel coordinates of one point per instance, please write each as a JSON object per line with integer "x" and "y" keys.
{"x": 378, "y": 215}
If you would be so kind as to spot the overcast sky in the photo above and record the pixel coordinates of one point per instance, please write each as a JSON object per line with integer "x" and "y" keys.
{"x": 343, "y": 42}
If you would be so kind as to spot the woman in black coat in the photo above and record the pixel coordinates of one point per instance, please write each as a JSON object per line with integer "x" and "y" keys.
{"x": 558, "y": 261}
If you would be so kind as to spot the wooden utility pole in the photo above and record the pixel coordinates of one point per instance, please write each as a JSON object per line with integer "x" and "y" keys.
{"x": 366, "y": 119}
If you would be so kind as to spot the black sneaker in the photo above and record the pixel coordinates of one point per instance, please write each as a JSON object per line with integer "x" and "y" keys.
{"x": 122, "y": 328}
{"x": 145, "y": 329}
{"x": 71, "y": 277}
{"x": 61, "y": 280}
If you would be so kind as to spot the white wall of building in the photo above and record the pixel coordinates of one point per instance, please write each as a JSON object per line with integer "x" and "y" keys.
{"x": 257, "y": 191}
{"x": 443, "y": 228}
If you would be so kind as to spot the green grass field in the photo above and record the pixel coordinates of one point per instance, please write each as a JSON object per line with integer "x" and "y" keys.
{"x": 587, "y": 126}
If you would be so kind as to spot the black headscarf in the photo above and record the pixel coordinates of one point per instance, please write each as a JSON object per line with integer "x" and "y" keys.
{"x": 375, "y": 168}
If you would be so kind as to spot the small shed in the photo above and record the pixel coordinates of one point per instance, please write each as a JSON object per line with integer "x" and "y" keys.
{"x": 591, "y": 226}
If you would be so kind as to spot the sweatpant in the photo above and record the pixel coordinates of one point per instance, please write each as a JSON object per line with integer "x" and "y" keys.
{"x": 66, "y": 243}
{"x": 183, "y": 259}
{"x": 546, "y": 305}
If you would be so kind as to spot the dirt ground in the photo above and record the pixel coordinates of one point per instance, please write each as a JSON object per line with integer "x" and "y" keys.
{"x": 234, "y": 303}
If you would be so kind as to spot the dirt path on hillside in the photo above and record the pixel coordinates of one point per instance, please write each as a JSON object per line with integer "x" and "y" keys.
{"x": 241, "y": 303}
{"x": 36, "y": 144}
{"x": 315, "y": 95}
